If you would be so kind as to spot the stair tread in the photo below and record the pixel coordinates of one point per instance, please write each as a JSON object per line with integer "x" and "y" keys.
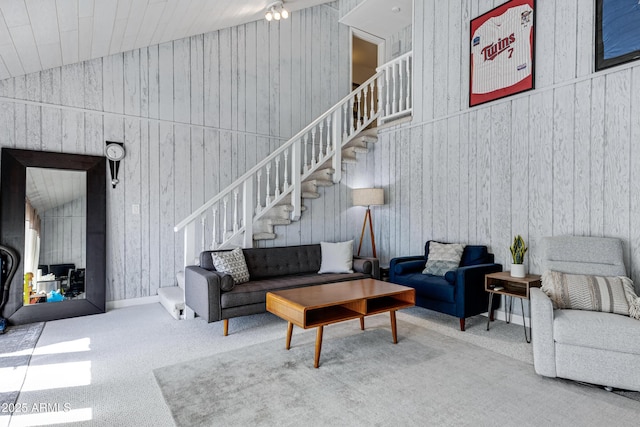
{"x": 279, "y": 221}
{"x": 319, "y": 182}
{"x": 264, "y": 236}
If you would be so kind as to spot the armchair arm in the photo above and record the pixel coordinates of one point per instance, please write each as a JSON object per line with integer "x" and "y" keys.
{"x": 544, "y": 350}
{"x": 367, "y": 265}
{"x": 469, "y": 285}
{"x": 202, "y": 289}
{"x": 405, "y": 265}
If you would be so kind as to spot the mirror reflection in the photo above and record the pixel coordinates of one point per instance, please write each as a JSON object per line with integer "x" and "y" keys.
{"x": 55, "y": 235}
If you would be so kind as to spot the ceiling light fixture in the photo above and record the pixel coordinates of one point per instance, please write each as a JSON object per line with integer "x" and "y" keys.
{"x": 276, "y": 11}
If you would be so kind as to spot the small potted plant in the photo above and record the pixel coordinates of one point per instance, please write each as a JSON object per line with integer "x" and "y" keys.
{"x": 518, "y": 249}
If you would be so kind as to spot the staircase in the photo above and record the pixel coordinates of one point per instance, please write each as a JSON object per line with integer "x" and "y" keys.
{"x": 271, "y": 193}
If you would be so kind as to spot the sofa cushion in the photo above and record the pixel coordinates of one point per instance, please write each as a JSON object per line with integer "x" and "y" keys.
{"x": 428, "y": 286}
{"x": 282, "y": 261}
{"x": 233, "y": 263}
{"x": 603, "y": 331}
{"x": 443, "y": 257}
{"x": 474, "y": 255}
{"x": 336, "y": 257}
{"x": 613, "y": 294}
{"x": 255, "y": 291}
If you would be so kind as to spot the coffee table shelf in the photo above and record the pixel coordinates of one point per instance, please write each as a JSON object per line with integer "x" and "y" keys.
{"x": 383, "y": 304}
{"x": 326, "y": 315}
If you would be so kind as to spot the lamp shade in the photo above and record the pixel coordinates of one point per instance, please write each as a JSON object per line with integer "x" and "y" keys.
{"x": 368, "y": 196}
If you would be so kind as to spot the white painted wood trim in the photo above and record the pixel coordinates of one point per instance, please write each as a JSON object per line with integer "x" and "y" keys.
{"x": 113, "y": 305}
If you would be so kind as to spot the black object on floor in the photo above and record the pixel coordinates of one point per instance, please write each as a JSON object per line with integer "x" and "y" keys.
{"x": 5, "y": 279}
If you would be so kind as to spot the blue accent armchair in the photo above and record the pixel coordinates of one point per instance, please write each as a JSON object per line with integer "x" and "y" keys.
{"x": 459, "y": 292}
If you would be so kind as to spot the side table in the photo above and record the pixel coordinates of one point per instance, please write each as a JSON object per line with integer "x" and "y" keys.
{"x": 384, "y": 274}
{"x": 503, "y": 284}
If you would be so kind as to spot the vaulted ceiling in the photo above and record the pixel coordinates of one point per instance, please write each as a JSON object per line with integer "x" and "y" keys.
{"x": 41, "y": 34}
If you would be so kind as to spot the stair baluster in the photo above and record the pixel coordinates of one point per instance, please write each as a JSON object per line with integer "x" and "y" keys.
{"x": 401, "y": 87}
{"x": 345, "y": 118}
{"x": 258, "y": 201}
{"x": 329, "y": 146}
{"x": 214, "y": 236}
{"x": 365, "y": 111}
{"x": 394, "y": 86}
{"x": 235, "y": 211}
{"x": 357, "y": 114}
{"x": 407, "y": 104}
{"x": 202, "y": 233}
{"x": 224, "y": 222}
{"x": 321, "y": 144}
{"x": 268, "y": 185}
{"x": 314, "y": 160}
{"x": 372, "y": 85}
{"x": 277, "y": 176}
{"x": 387, "y": 107}
{"x": 353, "y": 117}
{"x": 286, "y": 170}
{"x": 306, "y": 157}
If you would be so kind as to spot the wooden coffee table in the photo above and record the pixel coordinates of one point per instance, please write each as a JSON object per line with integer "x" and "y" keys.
{"x": 316, "y": 306}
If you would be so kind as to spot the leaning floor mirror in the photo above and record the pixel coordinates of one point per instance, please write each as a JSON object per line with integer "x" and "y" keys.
{"x": 53, "y": 216}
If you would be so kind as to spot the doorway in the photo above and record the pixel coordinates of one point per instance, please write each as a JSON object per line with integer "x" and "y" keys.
{"x": 366, "y": 56}
{"x": 367, "y": 53}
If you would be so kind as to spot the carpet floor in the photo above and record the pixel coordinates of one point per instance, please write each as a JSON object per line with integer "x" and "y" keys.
{"x": 364, "y": 379}
{"x": 16, "y": 348}
{"x": 99, "y": 370}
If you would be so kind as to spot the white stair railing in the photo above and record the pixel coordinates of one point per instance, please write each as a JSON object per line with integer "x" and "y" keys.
{"x": 395, "y": 96}
{"x": 277, "y": 179}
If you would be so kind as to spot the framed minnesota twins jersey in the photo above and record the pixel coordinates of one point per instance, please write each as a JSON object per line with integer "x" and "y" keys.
{"x": 502, "y": 52}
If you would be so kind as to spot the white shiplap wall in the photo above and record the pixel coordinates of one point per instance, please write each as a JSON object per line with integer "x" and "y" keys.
{"x": 63, "y": 234}
{"x": 562, "y": 159}
{"x": 194, "y": 114}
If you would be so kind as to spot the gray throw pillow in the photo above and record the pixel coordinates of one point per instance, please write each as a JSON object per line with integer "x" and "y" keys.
{"x": 443, "y": 257}
{"x": 233, "y": 263}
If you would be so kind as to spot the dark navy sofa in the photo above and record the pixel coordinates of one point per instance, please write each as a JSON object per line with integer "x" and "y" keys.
{"x": 459, "y": 292}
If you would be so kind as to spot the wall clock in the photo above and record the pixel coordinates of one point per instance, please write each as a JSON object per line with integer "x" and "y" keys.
{"x": 114, "y": 152}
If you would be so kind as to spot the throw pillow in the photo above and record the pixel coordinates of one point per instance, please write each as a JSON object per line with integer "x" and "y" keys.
{"x": 443, "y": 257}
{"x": 336, "y": 257}
{"x": 596, "y": 293}
{"x": 233, "y": 263}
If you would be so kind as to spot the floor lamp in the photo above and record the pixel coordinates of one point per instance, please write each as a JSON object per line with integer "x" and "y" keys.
{"x": 368, "y": 197}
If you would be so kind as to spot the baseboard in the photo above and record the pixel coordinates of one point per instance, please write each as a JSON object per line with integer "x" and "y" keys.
{"x": 132, "y": 301}
{"x": 516, "y": 318}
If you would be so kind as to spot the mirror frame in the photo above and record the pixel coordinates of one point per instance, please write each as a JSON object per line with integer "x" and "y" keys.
{"x": 12, "y": 219}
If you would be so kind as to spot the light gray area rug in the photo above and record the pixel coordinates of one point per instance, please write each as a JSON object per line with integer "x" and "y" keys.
{"x": 364, "y": 379}
{"x": 16, "y": 348}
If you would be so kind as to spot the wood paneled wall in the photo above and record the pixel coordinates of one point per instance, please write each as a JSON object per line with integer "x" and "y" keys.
{"x": 194, "y": 114}
{"x": 561, "y": 159}
{"x": 63, "y": 234}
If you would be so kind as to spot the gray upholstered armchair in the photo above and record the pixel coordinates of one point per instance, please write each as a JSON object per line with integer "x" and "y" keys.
{"x": 589, "y": 346}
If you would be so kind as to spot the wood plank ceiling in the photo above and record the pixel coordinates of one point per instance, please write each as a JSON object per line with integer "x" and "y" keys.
{"x": 40, "y": 34}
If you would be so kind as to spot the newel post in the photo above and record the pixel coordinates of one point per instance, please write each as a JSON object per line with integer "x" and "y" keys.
{"x": 190, "y": 255}
{"x": 336, "y": 138}
{"x": 296, "y": 173}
